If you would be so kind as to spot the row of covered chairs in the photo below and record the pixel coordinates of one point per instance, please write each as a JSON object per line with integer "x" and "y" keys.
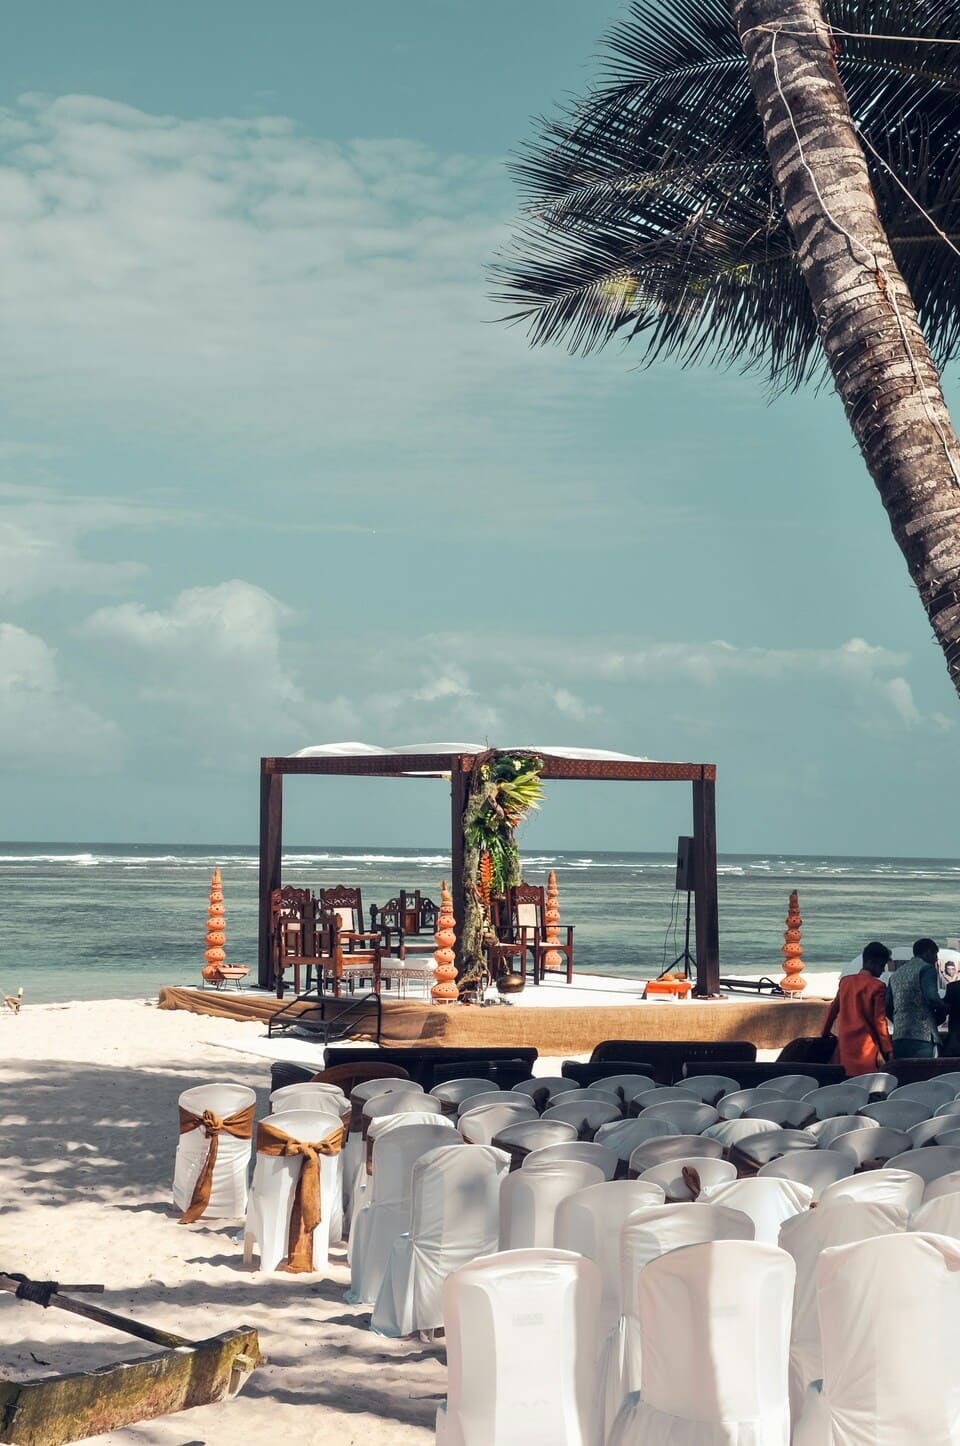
{"x": 715, "y": 1318}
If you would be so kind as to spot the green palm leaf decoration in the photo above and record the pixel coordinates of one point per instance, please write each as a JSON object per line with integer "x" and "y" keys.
{"x": 504, "y": 787}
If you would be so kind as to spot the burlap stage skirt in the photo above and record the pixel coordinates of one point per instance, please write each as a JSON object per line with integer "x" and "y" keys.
{"x": 566, "y": 1030}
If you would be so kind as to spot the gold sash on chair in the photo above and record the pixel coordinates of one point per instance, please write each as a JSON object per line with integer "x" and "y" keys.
{"x": 240, "y": 1125}
{"x": 305, "y": 1213}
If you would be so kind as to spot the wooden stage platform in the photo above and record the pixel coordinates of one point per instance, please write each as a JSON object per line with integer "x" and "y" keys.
{"x": 553, "y": 1030}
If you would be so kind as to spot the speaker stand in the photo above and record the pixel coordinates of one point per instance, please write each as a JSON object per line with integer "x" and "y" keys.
{"x": 684, "y": 957}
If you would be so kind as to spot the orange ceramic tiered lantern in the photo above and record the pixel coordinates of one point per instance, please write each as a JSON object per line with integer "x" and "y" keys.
{"x": 793, "y": 983}
{"x": 553, "y": 959}
{"x": 216, "y": 937}
{"x": 445, "y": 990}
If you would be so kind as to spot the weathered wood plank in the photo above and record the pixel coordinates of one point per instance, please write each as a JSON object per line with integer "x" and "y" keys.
{"x": 58, "y": 1409}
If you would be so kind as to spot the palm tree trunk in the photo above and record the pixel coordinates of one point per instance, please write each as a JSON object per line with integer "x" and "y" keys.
{"x": 868, "y": 325}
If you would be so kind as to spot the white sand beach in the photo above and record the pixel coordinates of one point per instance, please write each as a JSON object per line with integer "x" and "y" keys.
{"x": 88, "y": 1130}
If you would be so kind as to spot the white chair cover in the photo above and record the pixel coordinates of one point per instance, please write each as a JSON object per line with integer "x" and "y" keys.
{"x": 878, "y": 1187}
{"x": 228, "y": 1191}
{"x": 587, "y": 1151}
{"x": 709, "y": 1088}
{"x": 330, "y": 1099}
{"x": 452, "y": 1092}
{"x": 816, "y": 1168}
{"x": 940, "y": 1215}
{"x": 715, "y": 1324}
{"x": 588, "y": 1115}
{"x": 533, "y": 1135}
{"x": 385, "y": 1213}
{"x": 590, "y": 1222}
{"x": 646, "y": 1235}
{"x": 838, "y": 1099}
{"x": 353, "y": 1150}
{"x": 658, "y": 1095}
{"x": 888, "y": 1316}
{"x": 792, "y": 1086}
{"x": 878, "y": 1085}
{"x": 674, "y": 1147}
{"x": 689, "y": 1116}
{"x": 925, "y": 1132}
{"x": 868, "y": 1147}
{"x": 805, "y": 1236}
{"x": 309, "y": 1095}
{"x": 622, "y": 1137}
{"x": 931, "y": 1092}
{"x": 627, "y": 1086}
{"x": 544, "y": 1089}
{"x": 943, "y": 1185}
{"x": 454, "y": 1215}
{"x": 381, "y": 1126}
{"x": 732, "y": 1106}
{"x": 730, "y": 1132}
{"x": 788, "y": 1113}
{"x": 274, "y": 1186}
{"x": 478, "y": 1126}
{"x": 826, "y": 1131}
{"x": 758, "y": 1149}
{"x": 521, "y": 1333}
{"x": 529, "y": 1200}
{"x": 491, "y": 1096}
{"x": 930, "y": 1161}
{"x": 768, "y": 1202}
{"x": 896, "y": 1114}
{"x": 669, "y": 1176}
{"x": 398, "y": 1102}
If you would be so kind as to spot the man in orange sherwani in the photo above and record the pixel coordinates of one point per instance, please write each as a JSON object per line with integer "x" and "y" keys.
{"x": 859, "y": 1012}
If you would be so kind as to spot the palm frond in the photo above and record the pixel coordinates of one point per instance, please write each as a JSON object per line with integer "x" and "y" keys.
{"x": 650, "y": 209}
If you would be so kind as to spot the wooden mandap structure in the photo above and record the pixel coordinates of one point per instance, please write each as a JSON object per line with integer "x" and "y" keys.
{"x": 456, "y": 762}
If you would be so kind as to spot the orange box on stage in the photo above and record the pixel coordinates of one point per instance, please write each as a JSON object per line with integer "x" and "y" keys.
{"x": 669, "y": 987}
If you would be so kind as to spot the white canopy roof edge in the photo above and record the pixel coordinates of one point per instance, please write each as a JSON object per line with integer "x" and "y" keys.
{"x": 353, "y": 750}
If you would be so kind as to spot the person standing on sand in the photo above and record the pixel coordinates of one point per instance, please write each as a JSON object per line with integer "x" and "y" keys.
{"x": 913, "y": 1003}
{"x": 863, "y": 1040}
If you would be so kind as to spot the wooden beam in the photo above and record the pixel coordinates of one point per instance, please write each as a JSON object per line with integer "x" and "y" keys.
{"x": 707, "y": 920}
{"x": 393, "y": 765}
{"x": 459, "y": 783}
{"x": 56, "y": 1409}
{"x": 271, "y": 850}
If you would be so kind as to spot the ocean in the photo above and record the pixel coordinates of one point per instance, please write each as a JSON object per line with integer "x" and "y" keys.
{"x": 98, "y": 921}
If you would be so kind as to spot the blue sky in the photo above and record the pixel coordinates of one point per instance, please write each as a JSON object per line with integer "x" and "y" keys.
{"x": 272, "y": 474}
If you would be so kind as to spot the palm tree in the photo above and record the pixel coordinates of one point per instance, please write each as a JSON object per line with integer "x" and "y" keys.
{"x": 739, "y": 161}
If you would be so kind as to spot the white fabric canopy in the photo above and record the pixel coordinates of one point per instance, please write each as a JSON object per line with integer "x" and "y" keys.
{"x": 352, "y": 750}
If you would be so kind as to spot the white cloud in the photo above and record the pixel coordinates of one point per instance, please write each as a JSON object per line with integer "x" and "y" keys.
{"x": 241, "y": 278}
{"x": 711, "y": 662}
{"x": 42, "y": 536}
{"x": 41, "y": 722}
{"x": 212, "y": 659}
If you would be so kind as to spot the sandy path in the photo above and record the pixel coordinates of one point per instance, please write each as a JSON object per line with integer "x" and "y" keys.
{"x": 87, "y": 1140}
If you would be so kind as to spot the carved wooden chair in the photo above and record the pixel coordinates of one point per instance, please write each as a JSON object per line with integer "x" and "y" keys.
{"x": 345, "y": 956}
{"x": 524, "y": 935}
{"x": 408, "y": 916}
{"x": 345, "y": 905}
{"x": 293, "y": 933}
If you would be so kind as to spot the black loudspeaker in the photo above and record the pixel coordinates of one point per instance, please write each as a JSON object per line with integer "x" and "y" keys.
{"x": 686, "y": 882}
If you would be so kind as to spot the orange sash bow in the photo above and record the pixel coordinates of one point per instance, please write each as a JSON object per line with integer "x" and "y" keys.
{"x": 239, "y": 1125}
{"x": 305, "y": 1213}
